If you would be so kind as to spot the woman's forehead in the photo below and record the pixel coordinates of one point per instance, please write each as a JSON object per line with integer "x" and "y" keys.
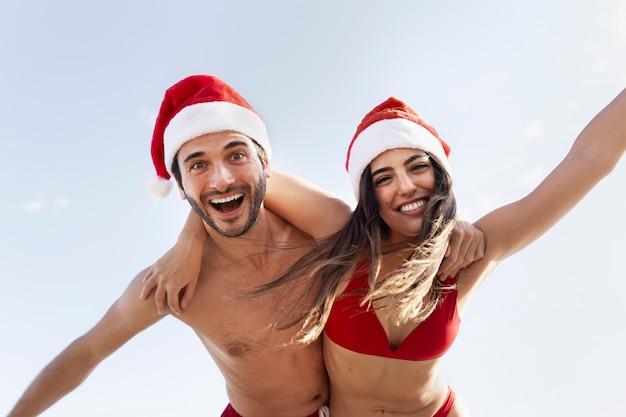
{"x": 396, "y": 154}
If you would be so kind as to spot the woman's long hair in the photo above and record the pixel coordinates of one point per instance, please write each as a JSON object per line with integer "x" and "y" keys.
{"x": 412, "y": 291}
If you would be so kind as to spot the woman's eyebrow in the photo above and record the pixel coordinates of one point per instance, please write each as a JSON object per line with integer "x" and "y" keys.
{"x": 378, "y": 171}
{"x": 414, "y": 157}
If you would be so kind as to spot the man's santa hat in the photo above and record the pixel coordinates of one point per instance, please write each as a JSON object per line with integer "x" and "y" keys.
{"x": 196, "y": 106}
{"x": 390, "y": 125}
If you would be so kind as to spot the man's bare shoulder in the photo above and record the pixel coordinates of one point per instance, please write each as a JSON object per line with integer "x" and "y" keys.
{"x": 132, "y": 307}
{"x": 126, "y": 317}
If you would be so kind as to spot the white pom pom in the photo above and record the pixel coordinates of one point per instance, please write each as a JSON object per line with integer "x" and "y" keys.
{"x": 159, "y": 187}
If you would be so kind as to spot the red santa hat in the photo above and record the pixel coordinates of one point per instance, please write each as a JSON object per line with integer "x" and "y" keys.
{"x": 390, "y": 125}
{"x": 196, "y": 106}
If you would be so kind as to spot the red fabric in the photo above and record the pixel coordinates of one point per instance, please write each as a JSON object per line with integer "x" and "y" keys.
{"x": 447, "y": 404}
{"x": 394, "y": 108}
{"x": 191, "y": 90}
{"x": 358, "y": 329}
{"x": 230, "y": 412}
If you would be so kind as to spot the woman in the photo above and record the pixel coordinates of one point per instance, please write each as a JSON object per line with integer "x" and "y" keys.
{"x": 387, "y": 318}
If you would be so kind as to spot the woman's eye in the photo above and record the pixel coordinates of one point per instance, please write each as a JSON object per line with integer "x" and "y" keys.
{"x": 381, "y": 180}
{"x": 419, "y": 167}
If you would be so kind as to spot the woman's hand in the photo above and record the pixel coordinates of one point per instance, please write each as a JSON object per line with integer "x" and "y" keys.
{"x": 173, "y": 277}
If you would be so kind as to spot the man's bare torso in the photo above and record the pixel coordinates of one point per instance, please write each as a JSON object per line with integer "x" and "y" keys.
{"x": 263, "y": 376}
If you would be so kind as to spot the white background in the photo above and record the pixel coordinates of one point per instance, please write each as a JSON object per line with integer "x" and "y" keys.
{"x": 508, "y": 84}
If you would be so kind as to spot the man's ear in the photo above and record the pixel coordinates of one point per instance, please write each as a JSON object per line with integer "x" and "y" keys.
{"x": 181, "y": 191}
{"x": 268, "y": 167}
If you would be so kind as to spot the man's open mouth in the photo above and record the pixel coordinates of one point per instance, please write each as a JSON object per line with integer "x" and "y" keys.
{"x": 227, "y": 204}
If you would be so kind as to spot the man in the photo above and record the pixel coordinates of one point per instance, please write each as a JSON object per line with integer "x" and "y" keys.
{"x": 216, "y": 146}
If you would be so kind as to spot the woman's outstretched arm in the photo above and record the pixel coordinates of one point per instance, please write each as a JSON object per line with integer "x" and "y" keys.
{"x": 594, "y": 154}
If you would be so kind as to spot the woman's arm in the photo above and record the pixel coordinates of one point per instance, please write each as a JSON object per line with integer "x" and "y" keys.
{"x": 315, "y": 211}
{"x": 594, "y": 154}
{"x": 174, "y": 276}
{"x": 320, "y": 213}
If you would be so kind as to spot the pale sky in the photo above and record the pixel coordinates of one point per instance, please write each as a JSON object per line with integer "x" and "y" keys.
{"x": 508, "y": 85}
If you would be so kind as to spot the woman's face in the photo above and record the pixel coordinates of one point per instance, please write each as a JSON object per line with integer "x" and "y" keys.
{"x": 403, "y": 180}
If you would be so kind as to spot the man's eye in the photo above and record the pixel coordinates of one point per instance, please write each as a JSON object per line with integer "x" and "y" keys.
{"x": 197, "y": 165}
{"x": 238, "y": 155}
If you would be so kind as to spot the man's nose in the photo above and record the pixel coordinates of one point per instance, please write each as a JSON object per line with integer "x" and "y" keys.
{"x": 221, "y": 177}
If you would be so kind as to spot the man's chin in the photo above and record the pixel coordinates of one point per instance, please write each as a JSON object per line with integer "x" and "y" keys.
{"x": 231, "y": 230}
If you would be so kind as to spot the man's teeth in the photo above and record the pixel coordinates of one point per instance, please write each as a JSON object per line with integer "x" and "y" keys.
{"x": 226, "y": 199}
{"x": 413, "y": 206}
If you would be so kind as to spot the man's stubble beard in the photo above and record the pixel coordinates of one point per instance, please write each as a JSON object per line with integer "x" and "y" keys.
{"x": 254, "y": 208}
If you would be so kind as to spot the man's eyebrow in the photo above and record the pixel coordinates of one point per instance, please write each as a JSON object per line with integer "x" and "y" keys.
{"x": 192, "y": 156}
{"x": 229, "y": 145}
{"x": 236, "y": 143}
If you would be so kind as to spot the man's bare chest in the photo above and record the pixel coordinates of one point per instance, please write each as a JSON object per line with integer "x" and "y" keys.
{"x": 226, "y": 313}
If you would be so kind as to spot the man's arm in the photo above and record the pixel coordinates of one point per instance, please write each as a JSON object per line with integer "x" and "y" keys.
{"x": 466, "y": 246}
{"x": 124, "y": 319}
{"x": 310, "y": 208}
{"x": 320, "y": 213}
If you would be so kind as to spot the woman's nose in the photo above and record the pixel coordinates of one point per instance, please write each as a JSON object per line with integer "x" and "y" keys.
{"x": 405, "y": 184}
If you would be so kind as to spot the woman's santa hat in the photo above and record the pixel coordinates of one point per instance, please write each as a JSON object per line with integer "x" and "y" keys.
{"x": 196, "y": 106}
{"x": 390, "y": 125}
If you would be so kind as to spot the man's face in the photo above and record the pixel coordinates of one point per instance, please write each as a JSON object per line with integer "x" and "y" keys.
{"x": 224, "y": 180}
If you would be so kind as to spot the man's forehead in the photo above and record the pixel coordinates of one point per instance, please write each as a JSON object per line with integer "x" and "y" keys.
{"x": 215, "y": 142}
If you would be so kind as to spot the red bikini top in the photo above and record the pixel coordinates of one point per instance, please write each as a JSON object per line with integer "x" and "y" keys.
{"x": 357, "y": 328}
